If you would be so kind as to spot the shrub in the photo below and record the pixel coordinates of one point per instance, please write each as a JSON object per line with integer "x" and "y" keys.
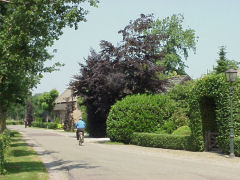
{"x": 138, "y": 113}
{"x": 50, "y": 125}
{"x": 4, "y": 143}
{"x": 183, "y": 130}
{"x": 167, "y": 141}
{"x": 168, "y": 127}
{"x": 212, "y": 91}
{"x": 180, "y": 118}
{"x": 181, "y": 94}
{"x": 14, "y": 122}
{"x": 237, "y": 146}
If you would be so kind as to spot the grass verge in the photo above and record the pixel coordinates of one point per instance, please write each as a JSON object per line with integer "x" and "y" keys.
{"x": 113, "y": 143}
{"x": 23, "y": 163}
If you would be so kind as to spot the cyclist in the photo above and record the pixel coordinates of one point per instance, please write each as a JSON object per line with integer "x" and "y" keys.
{"x": 80, "y": 125}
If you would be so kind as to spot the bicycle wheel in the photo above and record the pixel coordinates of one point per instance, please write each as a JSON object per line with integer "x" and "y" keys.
{"x": 80, "y": 138}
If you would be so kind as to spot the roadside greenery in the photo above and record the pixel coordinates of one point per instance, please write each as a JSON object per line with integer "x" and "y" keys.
{"x": 167, "y": 141}
{"x": 49, "y": 125}
{"x": 199, "y": 107}
{"x": 22, "y": 162}
{"x": 150, "y": 49}
{"x": 212, "y": 91}
{"x": 27, "y": 30}
{"x": 138, "y": 113}
{"x": 47, "y": 102}
{"x": 14, "y": 122}
{"x": 4, "y": 145}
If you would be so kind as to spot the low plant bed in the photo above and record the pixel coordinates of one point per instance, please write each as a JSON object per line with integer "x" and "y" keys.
{"x": 22, "y": 162}
{"x": 167, "y": 141}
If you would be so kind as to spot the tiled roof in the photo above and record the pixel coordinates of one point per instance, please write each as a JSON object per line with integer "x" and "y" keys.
{"x": 66, "y": 95}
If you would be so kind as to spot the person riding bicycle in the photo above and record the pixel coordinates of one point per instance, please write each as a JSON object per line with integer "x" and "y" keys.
{"x": 80, "y": 125}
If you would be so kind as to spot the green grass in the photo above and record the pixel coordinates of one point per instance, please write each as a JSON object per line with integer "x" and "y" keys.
{"x": 22, "y": 162}
{"x": 113, "y": 143}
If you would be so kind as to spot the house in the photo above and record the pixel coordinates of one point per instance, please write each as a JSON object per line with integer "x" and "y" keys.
{"x": 60, "y": 107}
{"x": 173, "y": 81}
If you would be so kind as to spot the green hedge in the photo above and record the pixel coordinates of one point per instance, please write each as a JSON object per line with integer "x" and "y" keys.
{"x": 4, "y": 144}
{"x": 11, "y": 122}
{"x": 50, "y": 125}
{"x": 237, "y": 146}
{"x": 166, "y": 141}
{"x": 212, "y": 91}
{"x": 138, "y": 113}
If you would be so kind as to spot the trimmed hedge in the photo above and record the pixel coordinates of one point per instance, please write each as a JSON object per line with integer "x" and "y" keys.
{"x": 237, "y": 146}
{"x": 4, "y": 144}
{"x": 213, "y": 90}
{"x": 50, "y": 125}
{"x": 11, "y": 122}
{"x": 138, "y": 113}
{"x": 166, "y": 141}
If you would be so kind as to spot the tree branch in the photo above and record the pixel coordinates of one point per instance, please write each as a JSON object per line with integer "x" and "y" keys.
{"x": 6, "y": 1}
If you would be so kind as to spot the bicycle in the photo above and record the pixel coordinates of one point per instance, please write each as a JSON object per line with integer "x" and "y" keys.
{"x": 81, "y": 137}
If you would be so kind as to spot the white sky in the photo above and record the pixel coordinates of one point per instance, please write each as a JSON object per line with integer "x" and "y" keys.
{"x": 216, "y": 23}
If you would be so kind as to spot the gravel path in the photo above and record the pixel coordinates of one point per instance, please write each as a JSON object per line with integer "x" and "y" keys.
{"x": 64, "y": 159}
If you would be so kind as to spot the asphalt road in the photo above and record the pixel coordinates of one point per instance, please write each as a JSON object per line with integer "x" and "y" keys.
{"x": 65, "y": 159}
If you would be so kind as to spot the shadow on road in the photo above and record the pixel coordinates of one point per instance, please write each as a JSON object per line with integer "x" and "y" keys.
{"x": 68, "y": 165}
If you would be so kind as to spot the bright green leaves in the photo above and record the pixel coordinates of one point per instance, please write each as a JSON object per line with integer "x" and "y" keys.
{"x": 47, "y": 100}
{"x": 223, "y": 63}
{"x": 27, "y": 29}
{"x": 175, "y": 41}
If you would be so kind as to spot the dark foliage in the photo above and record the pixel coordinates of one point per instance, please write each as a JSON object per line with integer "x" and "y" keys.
{"x": 118, "y": 71}
{"x": 29, "y": 113}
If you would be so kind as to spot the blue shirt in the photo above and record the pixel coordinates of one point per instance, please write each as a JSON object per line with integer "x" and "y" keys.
{"x": 80, "y": 124}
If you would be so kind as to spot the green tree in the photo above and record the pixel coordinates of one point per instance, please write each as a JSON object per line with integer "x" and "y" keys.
{"x": 174, "y": 44}
{"x": 27, "y": 29}
{"x": 131, "y": 67}
{"x": 47, "y": 101}
{"x": 223, "y": 63}
{"x": 16, "y": 112}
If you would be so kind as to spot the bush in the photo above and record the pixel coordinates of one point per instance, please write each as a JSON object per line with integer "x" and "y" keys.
{"x": 138, "y": 113}
{"x": 168, "y": 127}
{"x": 50, "y": 125}
{"x": 237, "y": 146}
{"x": 4, "y": 144}
{"x": 180, "y": 118}
{"x": 14, "y": 122}
{"x": 183, "y": 130}
{"x": 167, "y": 141}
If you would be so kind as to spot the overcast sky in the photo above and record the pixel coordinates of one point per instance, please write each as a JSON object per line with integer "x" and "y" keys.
{"x": 216, "y": 23}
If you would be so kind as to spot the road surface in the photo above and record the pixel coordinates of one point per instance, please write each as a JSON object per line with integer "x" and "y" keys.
{"x": 65, "y": 159}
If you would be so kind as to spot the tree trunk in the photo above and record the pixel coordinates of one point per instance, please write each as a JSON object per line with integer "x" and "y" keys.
{"x": 47, "y": 119}
{"x": 2, "y": 120}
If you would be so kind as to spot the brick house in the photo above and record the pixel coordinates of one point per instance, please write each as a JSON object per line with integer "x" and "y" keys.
{"x": 61, "y": 105}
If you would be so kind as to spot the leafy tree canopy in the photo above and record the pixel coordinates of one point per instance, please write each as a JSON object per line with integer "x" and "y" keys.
{"x": 27, "y": 28}
{"x": 131, "y": 67}
{"x": 174, "y": 42}
{"x": 47, "y": 100}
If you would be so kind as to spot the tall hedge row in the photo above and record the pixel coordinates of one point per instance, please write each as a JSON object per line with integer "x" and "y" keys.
{"x": 216, "y": 88}
{"x": 4, "y": 143}
{"x": 138, "y": 113}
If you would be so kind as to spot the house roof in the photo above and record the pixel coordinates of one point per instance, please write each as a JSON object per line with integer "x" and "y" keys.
{"x": 180, "y": 79}
{"x": 65, "y": 96}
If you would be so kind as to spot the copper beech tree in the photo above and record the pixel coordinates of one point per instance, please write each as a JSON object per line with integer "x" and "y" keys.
{"x": 129, "y": 68}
